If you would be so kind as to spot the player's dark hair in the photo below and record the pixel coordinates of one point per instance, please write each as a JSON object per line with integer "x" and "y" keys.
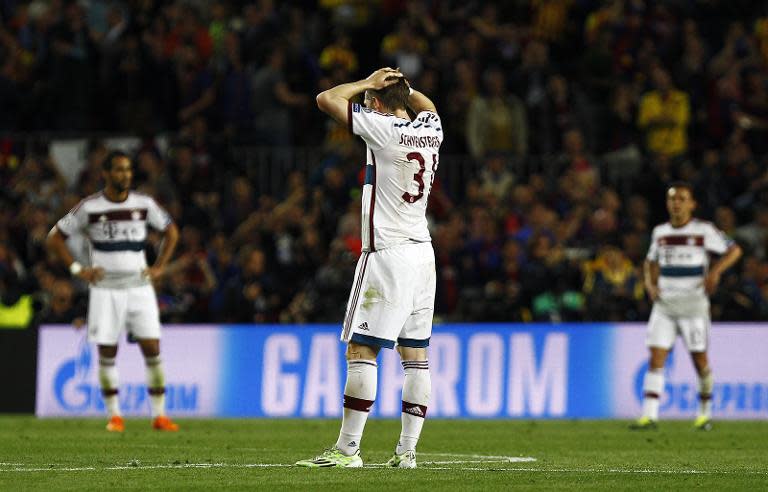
{"x": 684, "y": 185}
{"x": 106, "y": 164}
{"x": 393, "y": 97}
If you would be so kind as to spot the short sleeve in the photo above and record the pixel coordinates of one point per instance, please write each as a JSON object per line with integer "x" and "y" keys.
{"x": 375, "y": 128}
{"x": 653, "y": 249}
{"x": 429, "y": 120}
{"x": 74, "y": 222}
{"x": 157, "y": 217}
{"x": 716, "y": 241}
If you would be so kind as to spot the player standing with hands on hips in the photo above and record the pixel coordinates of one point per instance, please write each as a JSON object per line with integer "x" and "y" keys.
{"x": 679, "y": 279}
{"x": 393, "y": 293}
{"x": 121, "y": 295}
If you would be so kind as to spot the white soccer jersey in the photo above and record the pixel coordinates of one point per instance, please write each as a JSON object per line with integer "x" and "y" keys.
{"x": 402, "y": 161}
{"x": 116, "y": 231}
{"x": 682, "y": 255}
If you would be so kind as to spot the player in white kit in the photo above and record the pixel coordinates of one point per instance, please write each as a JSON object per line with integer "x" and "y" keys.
{"x": 121, "y": 295}
{"x": 393, "y": 294}
{"x": 679, "y": 278}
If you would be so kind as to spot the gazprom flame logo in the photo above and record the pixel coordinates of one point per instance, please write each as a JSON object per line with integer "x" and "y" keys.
{"x": 640, "y": 376}
{"x": 71, "y": 386}
{"x": 77, "y": 392}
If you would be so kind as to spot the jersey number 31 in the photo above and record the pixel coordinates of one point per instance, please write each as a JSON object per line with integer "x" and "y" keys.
{"x": 419, "y": 176}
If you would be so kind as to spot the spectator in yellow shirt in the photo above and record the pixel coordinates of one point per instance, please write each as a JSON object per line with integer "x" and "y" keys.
{"x": 664, "y": 116}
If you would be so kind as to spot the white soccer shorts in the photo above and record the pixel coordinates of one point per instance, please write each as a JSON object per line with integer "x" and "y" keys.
{"x": 392, "y": 298}
{"x": 663, "y": 329}
{"x": 112, "y": 311}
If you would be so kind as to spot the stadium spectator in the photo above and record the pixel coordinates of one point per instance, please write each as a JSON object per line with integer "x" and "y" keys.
{"x": 612, "y": 286}
{"x": 72, "y": 69}
{"x": 273, "y": 100}
{"x": 664, "y": 115}
{"x": 64, "y": 307}
{"x": 496, "y": 121}
{"x": 251, "y": 296}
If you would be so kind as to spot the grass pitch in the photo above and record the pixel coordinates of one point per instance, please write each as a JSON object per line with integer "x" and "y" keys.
{"x": 77, "y": 454}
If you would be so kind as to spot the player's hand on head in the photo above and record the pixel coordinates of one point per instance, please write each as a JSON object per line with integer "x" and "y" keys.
{"x": 384, "y": 77}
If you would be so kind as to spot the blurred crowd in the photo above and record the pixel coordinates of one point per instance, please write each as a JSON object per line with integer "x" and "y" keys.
{"x": 568, "y": 119}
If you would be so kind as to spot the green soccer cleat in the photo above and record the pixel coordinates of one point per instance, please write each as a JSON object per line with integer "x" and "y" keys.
{"x": 333, "y": 458}
{"x": 405, "y": 460}
{"x": 644, "y": 423}
{"x": 702, "y": 423}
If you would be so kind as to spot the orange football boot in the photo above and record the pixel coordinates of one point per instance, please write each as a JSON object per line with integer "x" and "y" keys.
{"x": 163, "y": 423}
{"x": 116, "y": 424}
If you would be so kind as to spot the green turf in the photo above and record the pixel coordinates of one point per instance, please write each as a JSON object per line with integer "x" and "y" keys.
{"x": 35, "y": 454}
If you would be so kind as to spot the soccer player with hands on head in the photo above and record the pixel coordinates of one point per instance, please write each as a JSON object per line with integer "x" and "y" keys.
{"x": 392, "y": 299}
{"x": 678, "y": 279}
{"x": 121, "y": 295}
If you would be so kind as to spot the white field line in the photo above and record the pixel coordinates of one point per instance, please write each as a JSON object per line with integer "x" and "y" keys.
{"x": 426, "y": 465}
{"x": 515, "y": 459}
{"x": 149, "y": 467}
{"x": 20, "y": 467}
{"x": 604, "y": 471}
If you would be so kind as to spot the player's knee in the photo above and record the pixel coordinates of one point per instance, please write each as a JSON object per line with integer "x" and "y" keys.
{"x": 108, "y": 351}
{"x": 701, "y": 362}
{"x": 412, "y": 353}
{"x": 658, "y": 358}
{"x": 150, "y": 348}
{"x": 356, "y": 351}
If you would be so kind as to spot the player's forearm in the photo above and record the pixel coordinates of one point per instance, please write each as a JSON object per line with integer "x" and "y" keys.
{"x": 727, "y": 260}
{"x": 168, "y": 246}
{"x": 650, "y": 274}
{"x": 418, "y": 102}
{"x": 58, "y": 248}
{"x": 344, "y": 91}
{"x": 335, "y": 101}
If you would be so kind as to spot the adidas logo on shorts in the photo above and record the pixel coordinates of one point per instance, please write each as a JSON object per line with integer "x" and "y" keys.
{"x": 363, "y": 326}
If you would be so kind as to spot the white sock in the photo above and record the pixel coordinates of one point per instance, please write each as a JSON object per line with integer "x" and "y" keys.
{"x": 653, "y": 388}
{"x": 108, "y": 379}
{"x": 155, "y": 385}
{"x": 359, "y": 395}
{"x": 417, "y": 389}
{"x": 706, "y": 383}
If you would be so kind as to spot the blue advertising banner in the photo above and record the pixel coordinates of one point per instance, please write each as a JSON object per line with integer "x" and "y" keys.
{"x": 478, "y": 371}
